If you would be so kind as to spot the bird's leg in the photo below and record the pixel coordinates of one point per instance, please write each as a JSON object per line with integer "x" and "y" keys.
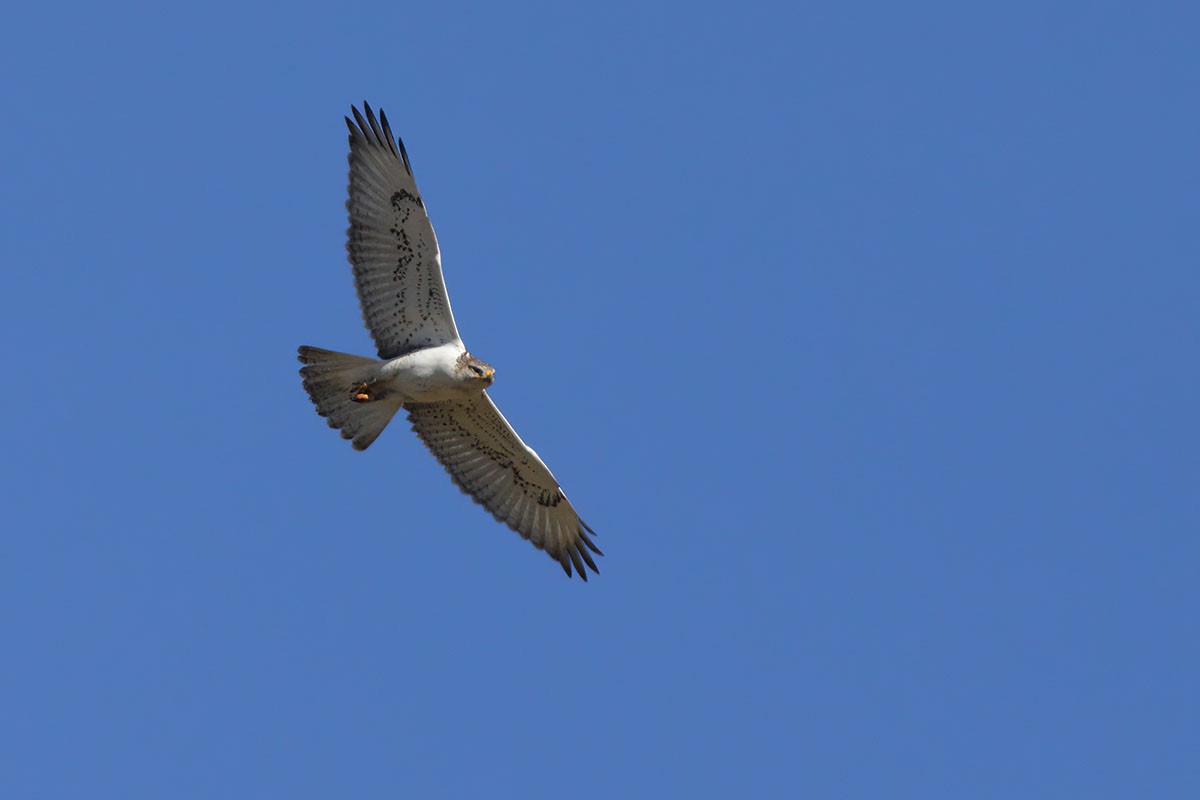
{"x": 362, "y": 392}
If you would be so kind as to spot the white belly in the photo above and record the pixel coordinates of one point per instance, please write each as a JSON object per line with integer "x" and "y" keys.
{"x": 426, "y": 376}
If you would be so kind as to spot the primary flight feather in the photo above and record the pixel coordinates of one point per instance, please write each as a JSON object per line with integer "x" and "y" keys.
{"x": 425, "y": 368}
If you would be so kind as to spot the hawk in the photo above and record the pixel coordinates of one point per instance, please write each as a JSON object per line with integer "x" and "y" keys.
{"x": 423, "y": 366}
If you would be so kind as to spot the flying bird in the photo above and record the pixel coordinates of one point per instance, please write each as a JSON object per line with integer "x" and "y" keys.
{"x": 423, "y": 366}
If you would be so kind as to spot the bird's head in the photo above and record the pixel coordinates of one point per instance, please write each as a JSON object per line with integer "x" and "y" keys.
{"x": 476, "y": 372}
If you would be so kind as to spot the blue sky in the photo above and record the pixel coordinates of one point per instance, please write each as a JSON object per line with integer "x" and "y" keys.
{"x": 865, "y": 335}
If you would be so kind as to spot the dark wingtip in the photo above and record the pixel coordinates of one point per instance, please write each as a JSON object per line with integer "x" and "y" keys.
{"x": 362, "y": 123}
{"x": 584, "y": 530}
{"x": 393, "y": 141}
{"x": 587, "y": 558}
{"x": 378, "y": 129}
{"x": 374, "y": 123}
{"x": 578, "y": 562}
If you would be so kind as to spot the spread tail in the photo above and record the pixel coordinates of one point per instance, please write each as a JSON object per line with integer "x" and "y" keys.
{"x": 332, "y": 381}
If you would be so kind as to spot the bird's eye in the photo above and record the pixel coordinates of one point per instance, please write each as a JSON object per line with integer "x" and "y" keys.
{"x": 476, "y": 370}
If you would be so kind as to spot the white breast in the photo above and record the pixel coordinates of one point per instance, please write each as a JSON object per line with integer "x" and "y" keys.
{"x": 425, "y": 376}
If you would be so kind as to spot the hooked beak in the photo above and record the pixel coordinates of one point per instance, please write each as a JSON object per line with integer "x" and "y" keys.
{"x": 489, "y": 374}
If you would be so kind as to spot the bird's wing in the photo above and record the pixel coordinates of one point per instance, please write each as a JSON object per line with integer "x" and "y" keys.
{"x": 488, "y": 461}
{"x": 392, "y": 247}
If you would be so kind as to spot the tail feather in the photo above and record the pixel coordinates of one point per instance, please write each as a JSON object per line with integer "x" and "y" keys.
{"x": 329, "y": 378}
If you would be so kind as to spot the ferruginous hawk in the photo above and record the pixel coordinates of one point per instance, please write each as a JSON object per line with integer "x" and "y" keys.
{"x": 425, "y": 368}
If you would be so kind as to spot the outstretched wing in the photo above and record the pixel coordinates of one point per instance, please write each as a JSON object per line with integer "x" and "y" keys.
{"x": 392, "y": 247}
{"x": 488, "y": 461}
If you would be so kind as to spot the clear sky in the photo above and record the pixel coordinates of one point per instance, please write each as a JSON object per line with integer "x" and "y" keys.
{"x": 864, "y": 334}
